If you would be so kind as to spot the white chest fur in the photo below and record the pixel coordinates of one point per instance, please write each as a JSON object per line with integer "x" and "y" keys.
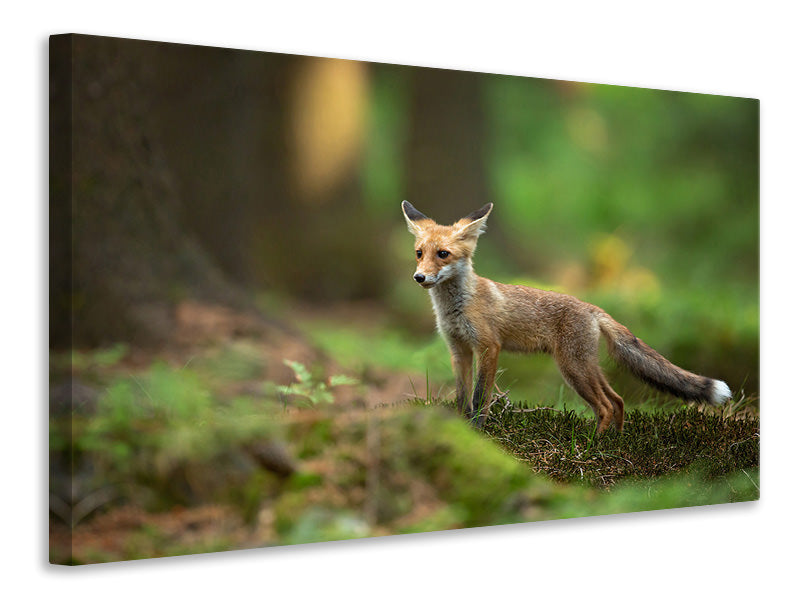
{"x": 450, "y": 299}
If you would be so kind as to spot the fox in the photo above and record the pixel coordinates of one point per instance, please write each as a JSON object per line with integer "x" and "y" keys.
{"x": 478, "y": 318}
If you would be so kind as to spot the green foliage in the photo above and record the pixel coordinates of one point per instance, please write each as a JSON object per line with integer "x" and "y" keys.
{"x": 105, "y": 357}
{"x": 161, "y": 435}
{"x": 88, "y": 361}
{"x": 313, "y": 390}
{"x": 657, "y": 167}
{"x": 317, "y": 524}
{"x": 385, "y": 348}
{"x": 237, "y": 361}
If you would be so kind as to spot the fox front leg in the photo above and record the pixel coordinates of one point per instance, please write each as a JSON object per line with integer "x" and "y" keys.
{"x": 461, "y": 359}
{"x": 482, "y": 397}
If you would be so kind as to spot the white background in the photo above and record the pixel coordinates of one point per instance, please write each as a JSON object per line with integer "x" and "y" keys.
{"x": 732, "y": 48}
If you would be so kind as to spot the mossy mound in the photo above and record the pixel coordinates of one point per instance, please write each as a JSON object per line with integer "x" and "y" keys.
{"x": 565, "y": 446}
{"x": 401, "y": 471}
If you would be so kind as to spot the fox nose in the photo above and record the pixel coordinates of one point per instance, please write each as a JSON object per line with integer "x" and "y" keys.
{"x": 419, "y": 277}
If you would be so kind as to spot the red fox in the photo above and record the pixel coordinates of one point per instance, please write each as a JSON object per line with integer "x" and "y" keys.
{"x": 478, "y": 317}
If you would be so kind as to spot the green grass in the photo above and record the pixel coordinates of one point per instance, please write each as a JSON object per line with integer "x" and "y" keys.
{"x": 565, "y": 446}
{"x": 385, "y": 348}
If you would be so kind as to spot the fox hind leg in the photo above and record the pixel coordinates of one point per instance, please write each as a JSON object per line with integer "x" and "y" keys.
{"x": 582, "y": 374}
{"x": 616, "y": 400}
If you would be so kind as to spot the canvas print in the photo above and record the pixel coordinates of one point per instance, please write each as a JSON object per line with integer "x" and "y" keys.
{"x": 298, "y": 299}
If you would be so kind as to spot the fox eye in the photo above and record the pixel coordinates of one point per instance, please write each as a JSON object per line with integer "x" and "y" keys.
{"x": 442, "y": 254}
{"x": 419, "y": 253}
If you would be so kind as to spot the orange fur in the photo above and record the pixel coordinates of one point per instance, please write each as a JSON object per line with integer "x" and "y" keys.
{"x": 478, "y": 318}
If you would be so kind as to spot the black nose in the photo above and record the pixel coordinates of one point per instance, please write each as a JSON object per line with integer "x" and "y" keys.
{"x": 419, "y": 278}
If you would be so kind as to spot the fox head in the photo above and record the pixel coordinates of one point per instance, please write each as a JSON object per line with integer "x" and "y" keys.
{"x": 444, "y": 251}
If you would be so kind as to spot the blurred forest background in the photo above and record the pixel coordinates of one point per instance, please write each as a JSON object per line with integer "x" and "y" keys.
{"x": 203, "y": 172}
{"x": 200, "y": 192}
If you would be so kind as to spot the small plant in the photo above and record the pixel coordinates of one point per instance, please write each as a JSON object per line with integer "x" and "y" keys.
{"x": 314, "y": 390}
{"x": 103, "y": 358}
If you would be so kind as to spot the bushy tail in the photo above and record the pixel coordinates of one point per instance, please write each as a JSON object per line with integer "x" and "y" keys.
{"x": 655, "y": 370}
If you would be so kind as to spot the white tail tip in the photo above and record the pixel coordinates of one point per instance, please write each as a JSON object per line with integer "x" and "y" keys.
{"x": 720, "y": 392}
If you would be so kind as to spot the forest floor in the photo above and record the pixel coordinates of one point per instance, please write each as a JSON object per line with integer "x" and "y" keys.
{"x": 336, "y": 459}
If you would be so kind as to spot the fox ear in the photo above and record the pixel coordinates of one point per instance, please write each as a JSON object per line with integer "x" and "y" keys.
{"x": 474, "y": 223}
{"x": 414, "y": 218}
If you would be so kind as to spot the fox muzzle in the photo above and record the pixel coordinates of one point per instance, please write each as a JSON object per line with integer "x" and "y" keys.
{"x": 425, "y": 281}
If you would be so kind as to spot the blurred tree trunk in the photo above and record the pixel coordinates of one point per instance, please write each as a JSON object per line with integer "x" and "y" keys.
{"x": 120, "y": 257}
{"x": 180, "y": 169}
{"x": 222, "y": 115}
{"x": 267, "y": 147}
{"x": 60, "y": 151}
{"x": 447, "y": 151}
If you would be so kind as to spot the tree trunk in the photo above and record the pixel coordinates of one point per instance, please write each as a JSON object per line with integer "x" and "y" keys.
{"x": 447, "y": 147}
{"x": 267, "y": 148}
{"x": 120, "y": 257}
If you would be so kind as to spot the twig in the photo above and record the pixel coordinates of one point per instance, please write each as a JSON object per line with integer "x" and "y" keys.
{"x": 751, "y": 480}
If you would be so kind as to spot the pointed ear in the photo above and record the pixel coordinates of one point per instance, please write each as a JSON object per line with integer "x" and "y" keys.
{"x": 414, "y": 219}
{"x": 471, "y": 226}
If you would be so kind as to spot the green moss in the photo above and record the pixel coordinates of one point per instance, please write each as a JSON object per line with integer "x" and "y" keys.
{"x": 564, "y": 445}
{"x": 395, "y": 461}
{"x": 324, "y": 525}
{"x": 162, "y": 438}
{"x": 466, "y": 468}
